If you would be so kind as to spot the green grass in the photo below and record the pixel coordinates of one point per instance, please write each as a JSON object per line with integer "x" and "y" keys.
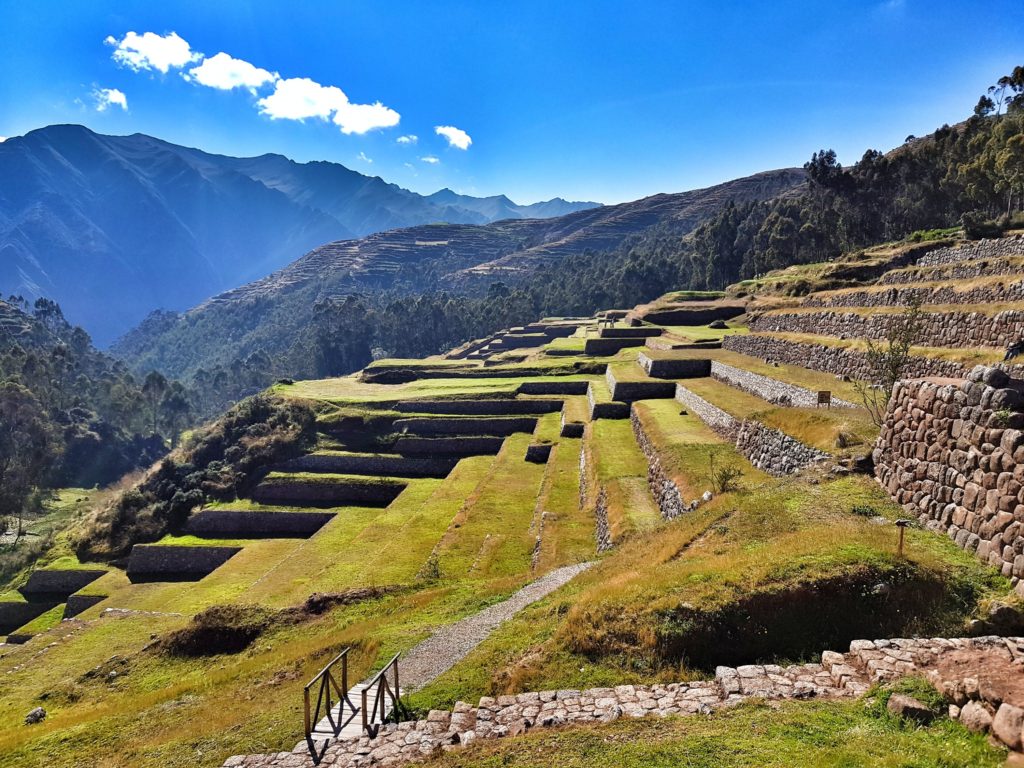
{"x": 622, "y": 469}
{"x": 43, "y": 622}
{"x": 837, "y": 734}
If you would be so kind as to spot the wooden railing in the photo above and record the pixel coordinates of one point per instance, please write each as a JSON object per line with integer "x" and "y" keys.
{"x": 325, "y": 701}
{"x": 381, "y": 690}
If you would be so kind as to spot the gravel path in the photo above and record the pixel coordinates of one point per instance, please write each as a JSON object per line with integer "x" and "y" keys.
{"x": 446, "y": 647}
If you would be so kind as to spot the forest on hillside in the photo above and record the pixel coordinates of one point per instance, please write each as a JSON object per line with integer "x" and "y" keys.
{"x": 971, "y": 174}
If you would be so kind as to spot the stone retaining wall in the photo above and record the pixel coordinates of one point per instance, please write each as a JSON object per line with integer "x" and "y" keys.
{"x": 492, "y": 407}
{"x": 45, "y": 584}
{"x": 332, "y": 493}
{"x": 766, "y": 448}
{"x": 155, "y": 562}
{"x": 837, "y": 676}
{"x": 674, "y": 368}
{"x": 979, "y": 249}
{"x": 553, "y": 388}
{"x": 964, "y": 270}
{"x": 612, "y": 410}
{"x": 78, "y": 603}
{"x": 500, "y": 426}
{"x": 641, "y": 332}
{"x": 719, "y": 421}
{"x": 952, "y": 453}
{"x": 837, "y": 360}
{"x": 767, "y": 388}
{"x": 774, "y": 451}
{"x": 628, "y": 391}
{"x": 937, "y": 329}
{"x": 663, "y": 488}
{"x": 448, "y": 446}
{"x": 373, "y": 464}
{"x": 603, "y": 347}
{"x": 13, "y": 613}
{"x": 241, "y": 523}
{"x": 693, "y": 315}
{"x": 995, "y": 293}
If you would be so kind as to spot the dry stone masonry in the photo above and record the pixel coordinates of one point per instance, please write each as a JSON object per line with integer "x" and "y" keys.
{"x": 766, "y": 448}
{"x": 992, "y": 293}
{"x": 963, "y": 270}
{"x": 952, "y": 453}
{"x": 835, "y": 359}
{"x": 839, "y": 675}
{"x": 663, "y": 488}
{"x": 936, "y": 329}
{"x": 980, "y": 249}
{"x": 767, "y": 388}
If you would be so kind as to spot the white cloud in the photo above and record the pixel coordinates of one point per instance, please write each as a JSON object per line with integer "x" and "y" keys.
{"x": 109, "y": 97}
{"x": 152, "y": 51}
{"x": 410, "y": 139}
{"x": 225, "y": 72}
{"x": 430, "y": 159}
{"x": 456, "y": 136}
{"x": 409, "y": 165}
{"x": 362, "y": 156}
{"x": 298, "y": 98}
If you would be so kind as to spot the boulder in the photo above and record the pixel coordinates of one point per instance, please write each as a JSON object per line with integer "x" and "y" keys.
{"x": 1007, "y": 725}
{"x": 37, "y": 715}
{"x": 909, "y": 708}
{"x": 975, "y": 717}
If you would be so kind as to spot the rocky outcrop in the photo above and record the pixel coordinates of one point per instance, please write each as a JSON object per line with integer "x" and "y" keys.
{"x": 839, "y": 675}
{"x": 952, "y": 453}
{"x": 767, "y": 388}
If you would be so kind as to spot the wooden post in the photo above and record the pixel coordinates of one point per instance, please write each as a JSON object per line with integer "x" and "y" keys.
{"x": 902, "y": 525}
{"x": 305, "y": 696}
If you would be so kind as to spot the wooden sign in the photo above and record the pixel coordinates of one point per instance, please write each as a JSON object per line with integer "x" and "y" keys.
{"x": 824, "y": 398}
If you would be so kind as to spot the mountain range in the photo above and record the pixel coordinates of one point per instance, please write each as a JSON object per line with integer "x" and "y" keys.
{"x": 269, "y": 315}
{"x": 114, "y": 227}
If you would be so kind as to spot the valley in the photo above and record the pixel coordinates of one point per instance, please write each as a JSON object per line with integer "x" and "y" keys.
{"x": 705, "y": 505}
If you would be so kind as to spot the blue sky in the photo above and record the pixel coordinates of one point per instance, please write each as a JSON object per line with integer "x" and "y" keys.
{"x": 584, "y": 100}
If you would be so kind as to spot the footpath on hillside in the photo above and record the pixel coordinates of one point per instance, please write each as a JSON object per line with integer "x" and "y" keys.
{"x": 448, "y": 646}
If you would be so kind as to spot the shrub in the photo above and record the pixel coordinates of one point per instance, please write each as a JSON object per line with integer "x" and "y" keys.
{"x": 219, "y": 629}
{"x": 220, "y": 461}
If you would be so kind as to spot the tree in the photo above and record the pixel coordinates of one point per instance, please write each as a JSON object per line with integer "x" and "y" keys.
{"x": 887, "y": 363}
{"x": 175, "y": 407}
{"x": 153, "y": 390}
{"x": 26, "y": 453}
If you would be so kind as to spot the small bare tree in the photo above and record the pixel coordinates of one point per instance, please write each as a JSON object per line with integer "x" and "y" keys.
{"x": 887, "y": 362}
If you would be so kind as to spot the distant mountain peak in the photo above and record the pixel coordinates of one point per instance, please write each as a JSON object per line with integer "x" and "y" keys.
{"x": 114, "y": 227}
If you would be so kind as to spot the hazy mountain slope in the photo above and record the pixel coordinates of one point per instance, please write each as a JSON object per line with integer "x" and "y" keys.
{"x": 270, "y": 313}
{"x": 114, "y": 227}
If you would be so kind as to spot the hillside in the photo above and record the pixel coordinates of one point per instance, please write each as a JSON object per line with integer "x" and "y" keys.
{"x": 271, "y": 313}
{"x": 115, "y": 227}
{"x": 564, "y": 529}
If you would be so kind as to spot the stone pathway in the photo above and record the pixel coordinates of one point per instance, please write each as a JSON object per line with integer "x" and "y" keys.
{"x": 445, "y": 648}
{"x": 966, "y": 669}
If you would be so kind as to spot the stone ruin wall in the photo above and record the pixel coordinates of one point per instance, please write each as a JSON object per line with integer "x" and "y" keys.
{"x": 836, "y": 360}
{"x": 996, "y": 248}
{"x": 937, "y": 329}
{"x": 765, "y": 447}
{"x": 996, "y": 293}
{"x": 977, "y": 702}
{"x": 952, "y": 454}
{"x": 767, "y": 388}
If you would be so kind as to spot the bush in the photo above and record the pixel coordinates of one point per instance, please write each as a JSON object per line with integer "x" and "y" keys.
{"x": 219, "y": 629}
{"x": 977, "y": 226}
{"x": 220, "y": 461}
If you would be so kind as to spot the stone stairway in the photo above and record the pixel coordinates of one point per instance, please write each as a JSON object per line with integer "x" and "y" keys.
{"x": 966, "y": 669}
